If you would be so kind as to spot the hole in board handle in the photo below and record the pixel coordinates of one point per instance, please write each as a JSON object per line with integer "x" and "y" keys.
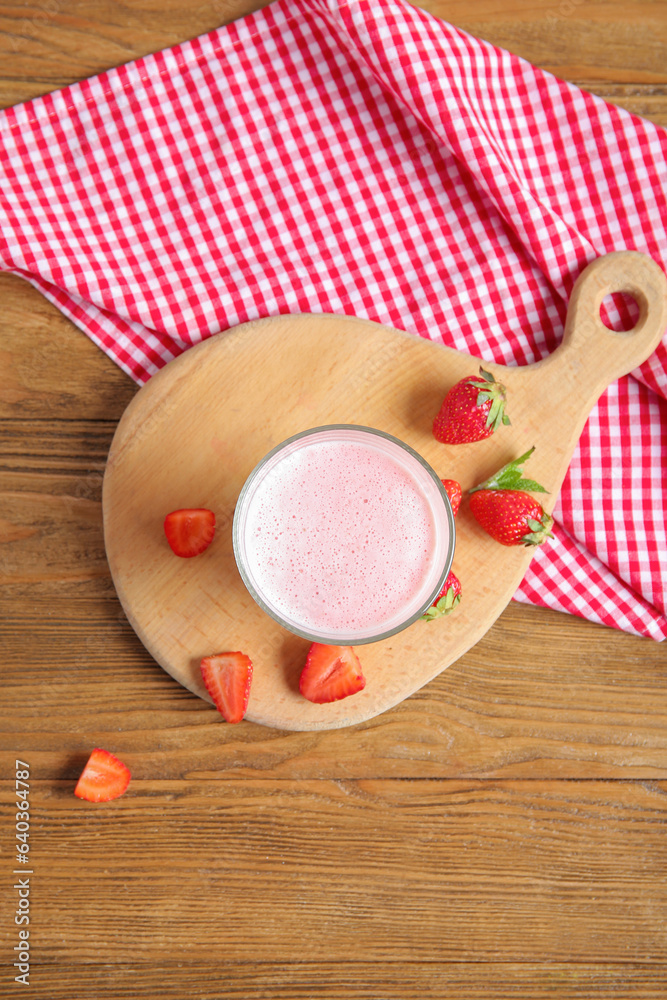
{"x": 619, "y": 311}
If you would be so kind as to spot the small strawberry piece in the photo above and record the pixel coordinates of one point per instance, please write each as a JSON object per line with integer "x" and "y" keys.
{"x": 103, "y": 778}
{"x": 189, "y": 531}
{"x": 472, "y": 410}
{"x": 506, "y": 511}
{"x": 454, "y": 492}
{"x": 446, "y": 601}
{"x": 228, "y": 677}
{"x": 331, "y": 673}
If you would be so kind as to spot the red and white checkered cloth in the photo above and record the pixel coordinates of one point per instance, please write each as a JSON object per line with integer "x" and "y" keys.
{"x": 361, "y": 157}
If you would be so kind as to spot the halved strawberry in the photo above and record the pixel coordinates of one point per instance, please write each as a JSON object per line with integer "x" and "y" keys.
{"x": 189, "y": 531}
{"x": 331, "y": 673}
{"x": 454, "y": 492}
{"x": 228, "y": 677}
{"x": 103, "y": 778}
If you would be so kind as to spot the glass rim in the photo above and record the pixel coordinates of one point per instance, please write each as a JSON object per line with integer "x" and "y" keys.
{"x": 324, "y": 636}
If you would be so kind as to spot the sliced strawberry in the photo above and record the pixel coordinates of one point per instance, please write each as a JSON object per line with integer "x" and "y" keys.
{"x": 103, "y": 778}
{"x": 448, "y": 598}
{"x": 228, "y": 677}
{"x": 331, "y": 673}
{"x": 454, "y": 492}
{"x": 189, "y": 531}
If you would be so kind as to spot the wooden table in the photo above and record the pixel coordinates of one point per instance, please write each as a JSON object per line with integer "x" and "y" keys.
{"x": 502, "y": 833}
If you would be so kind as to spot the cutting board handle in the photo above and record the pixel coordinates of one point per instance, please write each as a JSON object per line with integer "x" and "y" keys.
{"x": 602, "y": 355}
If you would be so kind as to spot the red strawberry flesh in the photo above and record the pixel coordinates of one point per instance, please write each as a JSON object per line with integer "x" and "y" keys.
{"x": 454, "y": 492}
{"x": 331, "y": 673}
{"x": 103, "y": 778}
{"x": 189, "y": 531}
{"x": 228, "y": 677}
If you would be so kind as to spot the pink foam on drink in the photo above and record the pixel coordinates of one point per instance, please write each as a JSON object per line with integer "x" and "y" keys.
{"x": 340, "y": 534}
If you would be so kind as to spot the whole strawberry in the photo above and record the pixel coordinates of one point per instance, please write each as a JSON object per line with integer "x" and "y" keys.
{"x": 454, "y": 492}
{"x": 446, "y": 601}
{"x": 472, "y": 410}
{"x": 512, "y": 517}
{"x": 506, "y": 511}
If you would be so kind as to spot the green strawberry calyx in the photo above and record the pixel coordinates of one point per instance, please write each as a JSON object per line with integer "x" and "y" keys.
{"x": 510, "y": 477}
{"x": 539, "y": 530}
{"x": 492, "y": 391}
{"x": 443, "y": 606}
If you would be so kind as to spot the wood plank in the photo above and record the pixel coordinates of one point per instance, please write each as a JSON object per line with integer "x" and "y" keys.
{"x": 50, "y": 506}
{"x": 47, "y": 46}
{"x": 50, "y": 369}
{"x": 647, "y": 102}
{"x": 574, "y": 39}
{"x": 350, "y": 980}
{"x": 76, "y": 676}
{"x": 418, "y": 871}
{"x": 42, "y": 48}
{"x": 52, "y": 456}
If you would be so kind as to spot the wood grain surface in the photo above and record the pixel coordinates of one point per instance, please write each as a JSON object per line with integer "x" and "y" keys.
{"x": 501, "y": 833}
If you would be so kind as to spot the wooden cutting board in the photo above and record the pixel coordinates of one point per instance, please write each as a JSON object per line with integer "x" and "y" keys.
{"x": 193, "y": 433}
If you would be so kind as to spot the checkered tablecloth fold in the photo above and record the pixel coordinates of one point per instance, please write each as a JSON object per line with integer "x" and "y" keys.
{"x": 361, "y": 158}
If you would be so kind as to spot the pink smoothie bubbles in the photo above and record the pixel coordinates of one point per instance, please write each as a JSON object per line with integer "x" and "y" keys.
{"x": 343, "y": 534}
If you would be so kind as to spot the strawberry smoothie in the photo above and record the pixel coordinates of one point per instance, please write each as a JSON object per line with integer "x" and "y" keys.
{"x": 343, "y": 534}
